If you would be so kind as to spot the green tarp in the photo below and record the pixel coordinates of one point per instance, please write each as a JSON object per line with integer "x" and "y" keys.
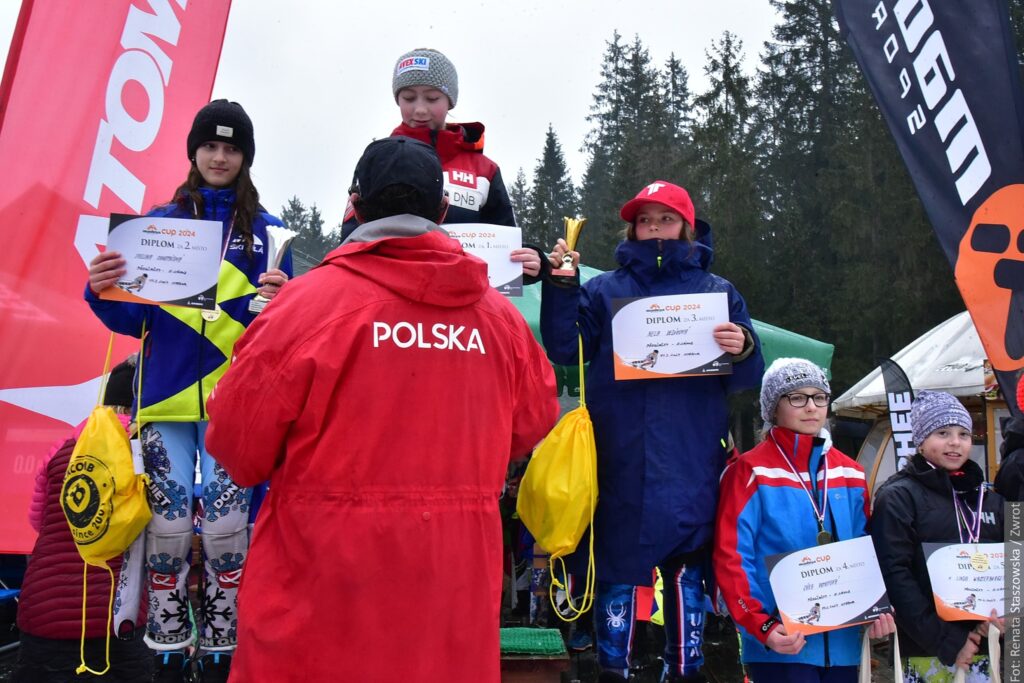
{"x": 779, "y": 343}
{"x": 545, "y": 642}
{"x": 775, "y": 341}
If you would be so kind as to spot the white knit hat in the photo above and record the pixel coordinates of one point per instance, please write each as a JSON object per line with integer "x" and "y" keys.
{"x": 785, "y": 375}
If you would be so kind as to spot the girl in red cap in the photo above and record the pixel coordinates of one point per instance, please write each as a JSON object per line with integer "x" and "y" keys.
{"x": 660, "y": 442}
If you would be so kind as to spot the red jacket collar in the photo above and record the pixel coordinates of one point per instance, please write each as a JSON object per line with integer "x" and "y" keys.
{"x": 454, "y": 139}
{"x": 797, "y": 447}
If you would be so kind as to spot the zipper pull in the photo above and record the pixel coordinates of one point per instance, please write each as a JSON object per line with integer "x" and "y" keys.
{"x": 660, "y": 248}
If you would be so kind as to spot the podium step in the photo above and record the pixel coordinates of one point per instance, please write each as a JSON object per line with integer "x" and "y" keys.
{"x": 532, "y": 655}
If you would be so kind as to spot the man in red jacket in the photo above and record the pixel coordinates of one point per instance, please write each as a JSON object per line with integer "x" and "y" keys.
{"x": 382, "y": 394}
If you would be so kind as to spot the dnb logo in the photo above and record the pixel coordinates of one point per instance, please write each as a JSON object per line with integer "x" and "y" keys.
{"x": 87, "y": 499}
{"x": 990, "y": 275}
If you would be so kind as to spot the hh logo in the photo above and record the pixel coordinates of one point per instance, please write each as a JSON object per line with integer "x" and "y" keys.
{"x": 990, "y": 275}
{"x": 463, "y": 178}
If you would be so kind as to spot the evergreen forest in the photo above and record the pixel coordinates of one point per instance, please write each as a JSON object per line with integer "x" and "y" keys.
{"x": 813, "y": 215}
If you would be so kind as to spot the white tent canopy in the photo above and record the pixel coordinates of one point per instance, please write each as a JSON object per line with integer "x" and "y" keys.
{"x": 948, "y": 358}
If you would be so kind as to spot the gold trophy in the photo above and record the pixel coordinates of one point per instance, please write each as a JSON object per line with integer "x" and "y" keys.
{"x": 573, "y": 228}
{"x": 278, "y": 241}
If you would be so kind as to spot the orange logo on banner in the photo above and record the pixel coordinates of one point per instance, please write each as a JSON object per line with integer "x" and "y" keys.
{"x": 990, "y": 275}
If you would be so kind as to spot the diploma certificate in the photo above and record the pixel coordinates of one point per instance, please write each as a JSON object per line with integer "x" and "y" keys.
{"x": 967, "y": 579}
{"x": 169, "y": 261}
{"x": 494, "y": 244}
{"x": 669, "y": 336}
{"x": 828, "y": 587}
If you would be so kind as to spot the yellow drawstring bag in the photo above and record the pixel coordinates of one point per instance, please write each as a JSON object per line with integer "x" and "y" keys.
{"x": 558, "y": 495}
{"x": 103, "y": 499}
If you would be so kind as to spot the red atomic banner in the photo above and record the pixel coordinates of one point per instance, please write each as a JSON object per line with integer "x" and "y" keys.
{"x": 95, "y": 104}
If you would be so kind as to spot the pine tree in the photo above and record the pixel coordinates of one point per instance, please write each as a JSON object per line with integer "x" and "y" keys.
{"x": 804, "y": 90}
{"x": 1016, "y": 8}
{"x": 552, "y": 195}
{"x": 519, "y": 195}
{"x": 311, "y": 245}
{"x": 606, "y": 110}
{"x": 599, "y": 196}
{"x": 632, "y": 135}
{"x": 598, "y": 205}
{"x": 647, "y": 138}
{"x": 294, "y": 215}
{"x": 851, "y": 258}
{"x": 723, "y": 172}
{"x": 675, "y": 89}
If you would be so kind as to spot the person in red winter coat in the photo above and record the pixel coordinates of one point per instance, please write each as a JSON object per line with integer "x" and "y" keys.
{"x": 50, "y": 608}
{"x": 394, "y": 385}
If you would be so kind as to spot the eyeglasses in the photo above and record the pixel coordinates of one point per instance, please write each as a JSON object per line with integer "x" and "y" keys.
{"x": 798, "y": 400}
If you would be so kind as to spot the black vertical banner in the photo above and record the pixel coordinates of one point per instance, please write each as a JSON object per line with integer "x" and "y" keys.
{"x": 900, "y": 396}
{"x": 945, "y": 77}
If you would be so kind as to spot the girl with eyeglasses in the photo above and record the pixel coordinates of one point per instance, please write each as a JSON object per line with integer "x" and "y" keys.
{"x": 792, "y": 491}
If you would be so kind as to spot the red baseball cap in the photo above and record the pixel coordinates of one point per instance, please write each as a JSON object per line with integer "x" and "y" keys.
{"x": 660, "y": 192}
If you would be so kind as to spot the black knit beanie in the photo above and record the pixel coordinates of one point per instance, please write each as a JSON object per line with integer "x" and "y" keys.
{"x": 224, "y": 121}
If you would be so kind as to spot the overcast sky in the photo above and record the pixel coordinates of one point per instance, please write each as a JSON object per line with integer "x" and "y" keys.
{"x": 316, "y": 76}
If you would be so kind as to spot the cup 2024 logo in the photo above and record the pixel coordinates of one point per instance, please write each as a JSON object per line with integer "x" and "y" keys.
{"x": 990, "y": 275}
{"x": 87, "y": 499}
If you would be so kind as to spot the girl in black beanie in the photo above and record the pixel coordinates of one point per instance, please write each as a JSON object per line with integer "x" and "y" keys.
{"x": 185, "y": 352}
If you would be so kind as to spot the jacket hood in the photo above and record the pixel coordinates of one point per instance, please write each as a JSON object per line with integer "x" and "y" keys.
{"x": 702, "y": 235}
{"x": 676, "y": 255}
{"x": 449, "y": 141}
{"x": 413, "y": 258}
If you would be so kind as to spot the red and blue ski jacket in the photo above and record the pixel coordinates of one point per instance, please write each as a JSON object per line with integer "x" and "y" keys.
{"x": 765, "y": 510}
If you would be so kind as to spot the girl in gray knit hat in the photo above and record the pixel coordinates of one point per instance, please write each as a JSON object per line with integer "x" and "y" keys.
{"x": 940, "y": 496}
{"x": 791, "y": 492}
{"x": 425, "y": 86}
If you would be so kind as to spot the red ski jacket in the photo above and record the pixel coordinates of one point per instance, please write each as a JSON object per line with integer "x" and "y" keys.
{"x": 382, "y": 394}
{"x": 476, "y": 191}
